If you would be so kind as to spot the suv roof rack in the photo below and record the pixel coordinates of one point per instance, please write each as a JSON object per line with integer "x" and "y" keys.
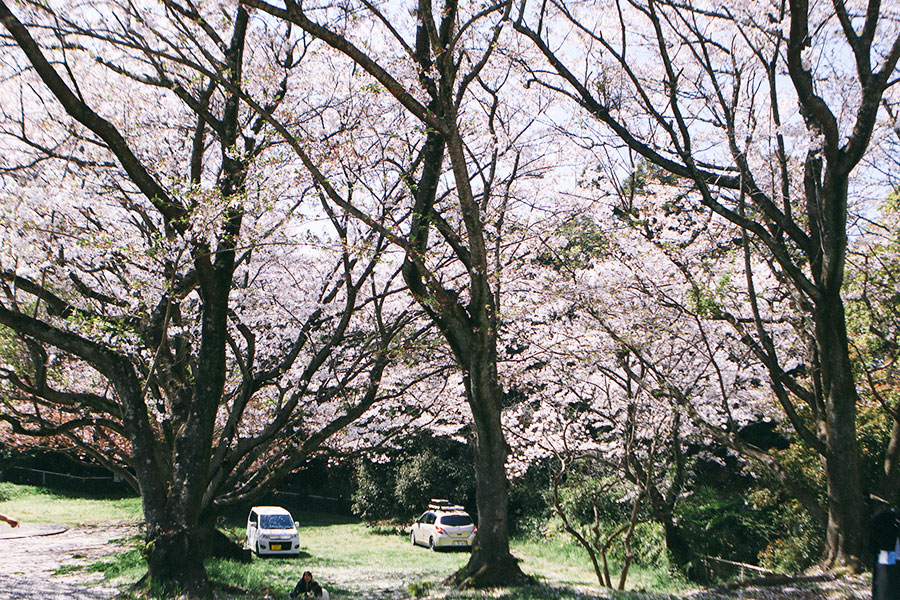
{"x": 443, "y": 504}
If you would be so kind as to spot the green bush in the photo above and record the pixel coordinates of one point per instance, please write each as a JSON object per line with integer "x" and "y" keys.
{"x": 649, "y": 545}
{"x": 373, "y": 499}
{"x": 5, "y": 492}
{"x": 589, "y": 493}
{"x": 529, "y": 500}
{"x": 796, "y": 541}
{"x": 725, "y": 524}
{"x": 585, "y": 492}
{"x": 433, "y": 474}
{"x": 424, "y": 467}
{"x": 11, "y": 491}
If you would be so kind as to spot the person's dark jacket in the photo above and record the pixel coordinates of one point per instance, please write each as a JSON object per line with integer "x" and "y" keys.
{"x": 883, "y": 536}
{"x": 884, "y": 531}
{"x": 303, "y": 587}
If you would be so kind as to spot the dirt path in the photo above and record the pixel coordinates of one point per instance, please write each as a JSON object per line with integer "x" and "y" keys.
{"x": 30, "y": 555}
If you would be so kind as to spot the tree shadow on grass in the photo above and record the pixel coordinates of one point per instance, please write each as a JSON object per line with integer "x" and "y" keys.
{"x": 426, "y": 591}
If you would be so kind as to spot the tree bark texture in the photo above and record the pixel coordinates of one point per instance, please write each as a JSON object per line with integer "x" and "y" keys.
{"x": 846, "y": 529}
{"x": 491, "y": 563}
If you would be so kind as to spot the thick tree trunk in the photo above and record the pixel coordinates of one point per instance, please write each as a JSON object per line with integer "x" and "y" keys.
{"x": 491, "y": 563}
{"x": 845, "y": 536}
{"x": 681, "y": 553}
{"x": 174, "y": 555}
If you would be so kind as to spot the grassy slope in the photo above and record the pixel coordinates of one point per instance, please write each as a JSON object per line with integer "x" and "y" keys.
{"x": 34, "y": 505}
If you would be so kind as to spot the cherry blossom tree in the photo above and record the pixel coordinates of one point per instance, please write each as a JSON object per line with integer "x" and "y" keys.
{"x": 609, "y": 439}
{"x": 186, "y": 311}
{"x": 763, "y": 110}
{"x": 620, "y": 367}
{"x": 437, "y": 65}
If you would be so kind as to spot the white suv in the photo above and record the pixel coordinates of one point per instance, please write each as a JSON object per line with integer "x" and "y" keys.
{"x": 272, "y": 530}
{"x": 443, "y": 525}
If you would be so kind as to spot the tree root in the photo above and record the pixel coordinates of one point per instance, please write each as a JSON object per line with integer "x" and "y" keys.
{"x": 506, "y": 575}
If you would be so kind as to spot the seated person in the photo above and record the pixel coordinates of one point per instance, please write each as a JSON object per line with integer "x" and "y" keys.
{"x": 308, "y": 587}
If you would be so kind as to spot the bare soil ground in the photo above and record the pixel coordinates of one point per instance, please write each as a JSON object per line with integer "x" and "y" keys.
{"x": 34, "y": 558}
{"x": 822, "y": 587}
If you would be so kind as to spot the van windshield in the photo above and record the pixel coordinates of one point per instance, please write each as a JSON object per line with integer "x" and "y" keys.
{"x": 275, "y": 522}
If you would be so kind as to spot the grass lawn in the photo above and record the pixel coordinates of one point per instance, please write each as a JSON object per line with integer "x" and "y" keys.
{"x": 36, "y": 505}
{"x": 356, "y": 561}
{"x": 350, "y": 559}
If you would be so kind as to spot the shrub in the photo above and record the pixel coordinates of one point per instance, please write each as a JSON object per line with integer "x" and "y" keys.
{"x": 529, "y": 505}
{"x": 796, "y": 541}
{"x": 424, "y": 467}
{"x": 724, "y": 524}
{"x": 373, "y": 499}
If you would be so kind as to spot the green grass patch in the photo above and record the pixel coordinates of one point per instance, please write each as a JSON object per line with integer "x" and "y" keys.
{"x": 558, "y": 561}
{"x": 350, "y": 559}
{"x": 127, "y": 565}
{"x": 68, "y": 569}
{"x": 554, "y": 560}
{"x": 31, "y": 504}
{"x": 378, "y": 563}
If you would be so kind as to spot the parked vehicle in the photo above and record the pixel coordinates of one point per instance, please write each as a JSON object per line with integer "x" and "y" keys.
{"x": 443, "y": 525}
{"x": 272, "y": 531}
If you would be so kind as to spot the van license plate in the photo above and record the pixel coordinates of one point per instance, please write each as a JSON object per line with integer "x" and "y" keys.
{"x": 275, "y": 546}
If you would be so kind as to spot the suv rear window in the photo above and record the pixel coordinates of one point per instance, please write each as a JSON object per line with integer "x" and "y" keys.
{"x": 456, "y": 520}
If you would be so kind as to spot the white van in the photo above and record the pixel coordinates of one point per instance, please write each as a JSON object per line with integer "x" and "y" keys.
{"x": 272, "y": 531}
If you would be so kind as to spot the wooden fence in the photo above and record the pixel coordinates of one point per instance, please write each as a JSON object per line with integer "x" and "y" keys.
{"x": 719, "y": 569}
{"x": 54, "y": 479}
